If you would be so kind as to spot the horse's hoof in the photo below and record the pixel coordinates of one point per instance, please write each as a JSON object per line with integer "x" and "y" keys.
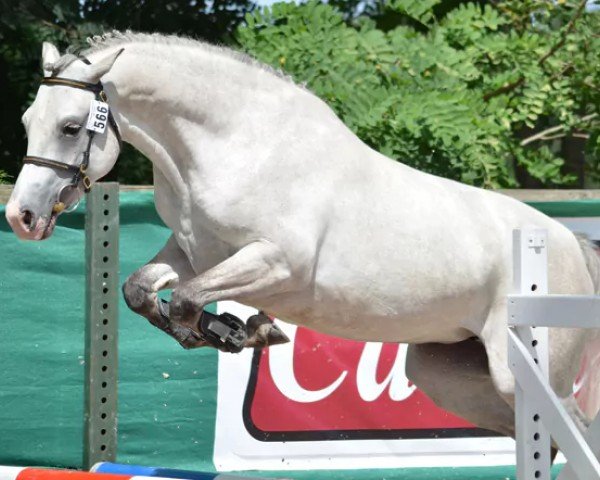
{"x": 262, "y": 332}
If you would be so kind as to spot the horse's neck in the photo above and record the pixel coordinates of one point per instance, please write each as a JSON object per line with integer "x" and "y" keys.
{"x": 176, "y": 106}
{"x": 162, "y": 89}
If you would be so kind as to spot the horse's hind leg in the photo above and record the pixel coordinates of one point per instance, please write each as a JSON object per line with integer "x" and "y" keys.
{"x": 565, "y": 350}
{"x": 457, "y": 378}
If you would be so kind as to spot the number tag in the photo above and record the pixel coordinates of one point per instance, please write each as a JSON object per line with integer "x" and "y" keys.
{"x": 98, "y": 117}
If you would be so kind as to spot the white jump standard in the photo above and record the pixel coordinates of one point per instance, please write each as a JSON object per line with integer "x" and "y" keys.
{"x": 539, "y": 413}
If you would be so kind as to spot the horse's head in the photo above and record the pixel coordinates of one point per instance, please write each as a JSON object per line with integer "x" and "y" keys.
{"x": 56, "y": 171}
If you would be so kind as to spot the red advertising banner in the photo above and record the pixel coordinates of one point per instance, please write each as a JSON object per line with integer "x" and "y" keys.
{"x": 334, "y": 388}
{"x": 325, "y": 402}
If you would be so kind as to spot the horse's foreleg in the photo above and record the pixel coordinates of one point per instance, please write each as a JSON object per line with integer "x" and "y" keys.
{"x": 169, "y": 267}
{"x": 259, "y": 269}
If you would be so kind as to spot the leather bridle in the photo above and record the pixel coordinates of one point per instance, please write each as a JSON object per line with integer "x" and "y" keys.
{"x": 78, "y": 170}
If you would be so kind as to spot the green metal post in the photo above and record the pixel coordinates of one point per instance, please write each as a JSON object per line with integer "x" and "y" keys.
{"x": 101, "y": 327}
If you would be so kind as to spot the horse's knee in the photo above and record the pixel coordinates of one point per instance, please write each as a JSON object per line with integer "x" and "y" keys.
{"x": 136, "y": 294}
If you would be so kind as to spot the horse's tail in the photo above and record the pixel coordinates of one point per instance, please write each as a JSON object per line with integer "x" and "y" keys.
{"x": 588, "y": 384}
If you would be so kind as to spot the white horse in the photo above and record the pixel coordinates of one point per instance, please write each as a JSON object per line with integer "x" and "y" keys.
{"x": 275, "y": 203}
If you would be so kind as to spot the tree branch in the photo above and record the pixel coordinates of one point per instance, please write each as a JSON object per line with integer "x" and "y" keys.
{"x": 565, "y": 33}
{"x": 507, "y": 87}
{"x": 586, "y": 136}
{"x": 554, "y": 137}
{"x": 557, "y": 46}
{"x": 548, "y": 133}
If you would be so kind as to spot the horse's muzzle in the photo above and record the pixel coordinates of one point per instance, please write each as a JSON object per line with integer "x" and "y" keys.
{"x": 28, "y": 225}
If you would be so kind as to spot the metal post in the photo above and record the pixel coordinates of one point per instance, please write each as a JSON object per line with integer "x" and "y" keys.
{"x": 530, "y": 277}
{"x": 101, "y": 316}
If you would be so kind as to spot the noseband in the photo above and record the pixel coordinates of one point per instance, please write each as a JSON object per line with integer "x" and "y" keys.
{"x": 78, "y": 170}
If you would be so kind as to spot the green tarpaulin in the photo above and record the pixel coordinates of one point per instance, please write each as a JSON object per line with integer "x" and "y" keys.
{"x": 166, "y": 395}
{"x": 588, "y": 207}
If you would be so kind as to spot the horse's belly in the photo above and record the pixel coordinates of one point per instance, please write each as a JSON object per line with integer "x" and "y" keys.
{"x": 366, "y": 318}
{"x": 402, "y": 289}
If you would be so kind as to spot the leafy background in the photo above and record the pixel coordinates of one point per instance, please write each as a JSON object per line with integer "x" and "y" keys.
{"x": 495, "y": 94}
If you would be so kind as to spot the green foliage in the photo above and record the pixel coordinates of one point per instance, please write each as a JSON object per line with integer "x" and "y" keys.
{"x": 453, "y": 87}
{"x": 4, "y": 177}
{"x": 453, "y": 92}
{"x": 419, "y": 10}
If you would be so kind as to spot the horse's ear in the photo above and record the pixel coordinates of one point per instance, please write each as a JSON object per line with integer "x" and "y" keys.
{"x": 50, "y": 55}
{"x": 100, "y": 68}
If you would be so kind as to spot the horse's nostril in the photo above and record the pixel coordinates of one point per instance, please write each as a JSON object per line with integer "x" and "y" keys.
{"x": 27, "y": 218}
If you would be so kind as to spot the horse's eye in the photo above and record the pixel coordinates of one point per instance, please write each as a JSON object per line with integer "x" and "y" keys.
{"x": 71, "y": 129}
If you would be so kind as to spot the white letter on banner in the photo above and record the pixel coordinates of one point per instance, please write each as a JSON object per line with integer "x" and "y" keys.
{"x": 281, "y": 366}
{"x": 366, "y": 375}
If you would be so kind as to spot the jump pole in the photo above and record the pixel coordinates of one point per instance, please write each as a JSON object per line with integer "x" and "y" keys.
{"x": 26, "y": 473}
{"x": 108, "y": 471}
{"x": 162, "y": 473}
{"x": 101, "y": 324}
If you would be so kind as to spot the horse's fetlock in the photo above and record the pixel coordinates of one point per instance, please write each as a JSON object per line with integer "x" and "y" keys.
{"x": 184, "y": 307}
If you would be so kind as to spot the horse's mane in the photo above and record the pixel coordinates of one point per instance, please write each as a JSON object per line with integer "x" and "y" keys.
{"x": 117, "y": 38}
